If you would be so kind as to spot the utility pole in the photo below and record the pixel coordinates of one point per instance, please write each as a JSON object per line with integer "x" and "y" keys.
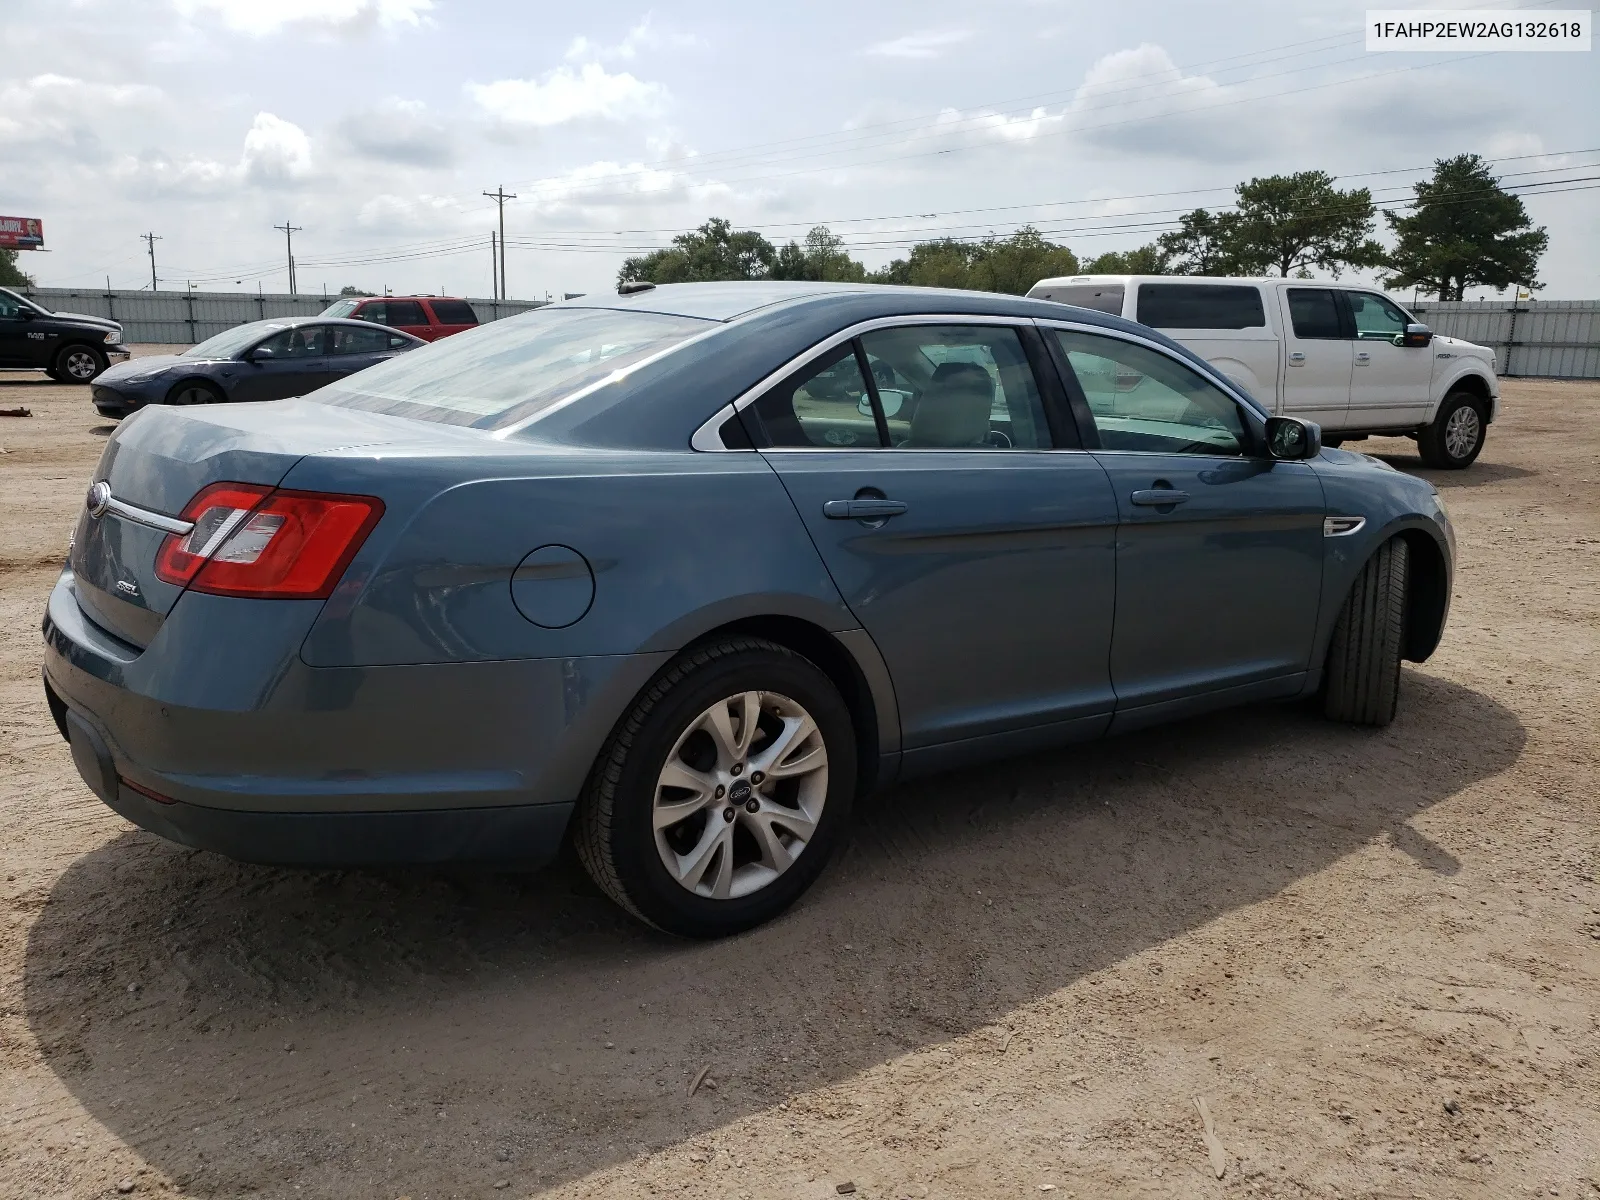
{"x": 500, "y": 196}
{"x": 494, "y": 267}
{"x": 150, "y": 239}
{"x": 288, "y": 235}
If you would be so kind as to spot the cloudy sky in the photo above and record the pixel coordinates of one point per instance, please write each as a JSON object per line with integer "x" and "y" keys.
{"x": 376, "y": 125}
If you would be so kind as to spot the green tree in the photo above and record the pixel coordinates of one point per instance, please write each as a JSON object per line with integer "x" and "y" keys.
{"x": 12, "y": 275}
{"x": 1464, "y": 231}
{"x": 821, "y": 259}
{"x": 1286, "y": 222}
{"x": 1012, "y": 264}
{"x": 1200, "y": 244}
{"x": 1149, "y": 259}
{"x": 349, "y": 290}
{"x": 714, "y": 251}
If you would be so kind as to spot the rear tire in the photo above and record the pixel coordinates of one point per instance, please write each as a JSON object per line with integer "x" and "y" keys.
{"x": 1361, "y": 682}
{"x": 1455, "y": 439}
{"x": 77, "y": 364}
{"x": 630, "y": 835}
{"x": 195, "y": 391}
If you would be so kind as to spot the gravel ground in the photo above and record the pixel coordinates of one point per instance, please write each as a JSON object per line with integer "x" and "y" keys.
{"x": 1373, "y": 956}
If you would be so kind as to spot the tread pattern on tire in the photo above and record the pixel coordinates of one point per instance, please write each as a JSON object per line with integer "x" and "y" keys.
{"x": 1362, "y": 679}
{"x": 592, "y": 833}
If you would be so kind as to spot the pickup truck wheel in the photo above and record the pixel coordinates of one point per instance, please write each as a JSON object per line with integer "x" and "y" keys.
{"x": 78, "y": 364}
{"x": 1456, "y": 436}
{"x": 1361, "y": 682}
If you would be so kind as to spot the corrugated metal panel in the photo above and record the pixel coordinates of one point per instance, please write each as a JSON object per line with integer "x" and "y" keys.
{"x": 1557, "y": 339}
{"x": 184, "y": 318}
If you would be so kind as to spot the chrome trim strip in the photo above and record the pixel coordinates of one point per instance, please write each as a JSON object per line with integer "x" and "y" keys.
{"x": 1342, "y": 526}
{"x": 708, "y": 438}
{"x": 143, "y": 516}
{"x": 615, "y": 377}
{"x": 1203, "y": 367}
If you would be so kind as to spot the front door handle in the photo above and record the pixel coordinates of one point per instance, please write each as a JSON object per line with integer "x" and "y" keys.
{"x": 1363, "y": 357}
{"x": 1158, "y": 497}
{"x": 862, "y": 510}
{"x": 1297, "y": 358}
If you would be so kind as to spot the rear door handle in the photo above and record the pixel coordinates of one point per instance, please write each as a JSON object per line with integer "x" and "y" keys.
{"x": 862, "y": 510}
{"x": 1158, "y": 497}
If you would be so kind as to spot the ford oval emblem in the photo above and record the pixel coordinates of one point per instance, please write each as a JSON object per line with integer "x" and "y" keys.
{"x": 99, "y": 499}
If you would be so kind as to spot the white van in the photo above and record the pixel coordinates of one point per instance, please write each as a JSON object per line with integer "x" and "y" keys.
{"x": 1345, "y": 356}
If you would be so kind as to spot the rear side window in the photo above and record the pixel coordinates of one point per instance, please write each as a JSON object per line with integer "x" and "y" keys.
{"x": 505, "y": 372}
{"x": 1101, "y": 297}
{"x": 351, "y": 339}
{"x": 454, "y": 312}
{"x": 405, "y": 312}
{"x": 1201, "y": 306}
{"x": 1314, "y": 313}
{"x": 824, "y": 405}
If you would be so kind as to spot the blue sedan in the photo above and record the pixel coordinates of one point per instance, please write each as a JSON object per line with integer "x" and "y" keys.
{"x": 686, "y": 571}
{"x": 263, "y": 360}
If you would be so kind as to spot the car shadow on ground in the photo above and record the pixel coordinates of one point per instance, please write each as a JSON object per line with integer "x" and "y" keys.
{"x": 1479, "y": 474}
{"x": 246, "y": 1028}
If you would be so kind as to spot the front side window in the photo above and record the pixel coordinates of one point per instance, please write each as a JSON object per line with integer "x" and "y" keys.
{"x": 1376, "y": 318}
{"x": 500, "y": 374}
{"x": 306, "y": 341}
{"x": 1143, "y": 400}
{"x": 1314, "y": 313}
{"x": 1201, "y": 306}
{"x": 10, "y": 306}
{"x": 825, "y": 405}
{"x": 956, "y": 387}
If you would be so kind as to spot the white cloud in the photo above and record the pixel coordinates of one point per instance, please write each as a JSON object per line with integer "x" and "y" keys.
{"x": 275, "y": 151}
{"x": 644, "y": 35}
{"x": 929, "y": 43}
{"x": 564, "y": 95}
{"x": 399, "y": 131}
{"x": 63, "y": 115}
{"x": 260, "y": 17}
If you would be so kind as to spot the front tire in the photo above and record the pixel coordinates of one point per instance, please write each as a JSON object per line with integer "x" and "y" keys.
{"x": 194, "y": 391}
{"x": 719, "y": 797}
{"x": 1457, "y": 434}
{"x": 77, "y": 364}
{"x": 1361, "y": 683}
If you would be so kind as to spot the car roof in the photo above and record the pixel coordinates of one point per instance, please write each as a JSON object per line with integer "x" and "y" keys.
{"x": 733, "y": 300}
{"x": 424, "y": 296}
{"x": 1274, "y": 280}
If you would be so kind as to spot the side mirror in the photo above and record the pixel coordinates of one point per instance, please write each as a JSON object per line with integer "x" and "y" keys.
{"x": 1416, "y": 336}
{"x": 260, "y": 354}
{"x": 1289, "y": 439}
{"x": 25, "y": 314}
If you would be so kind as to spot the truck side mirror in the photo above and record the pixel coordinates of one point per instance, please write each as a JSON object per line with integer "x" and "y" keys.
{"x": 1289, "y": 439}
{"x": 1416, "y": 336}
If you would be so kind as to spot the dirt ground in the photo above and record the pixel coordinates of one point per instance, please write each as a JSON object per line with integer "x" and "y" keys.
{"x": 1374, "y": 956}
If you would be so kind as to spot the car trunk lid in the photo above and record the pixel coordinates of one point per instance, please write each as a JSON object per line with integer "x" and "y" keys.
{"x": 155, "y": 463}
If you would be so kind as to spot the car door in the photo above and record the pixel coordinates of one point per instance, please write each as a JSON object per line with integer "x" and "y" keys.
{"x": 1219, "y": 548}
{"x": 291, "y": 362}
{"x": 410, "y": 316}
{"x": 1318, "y": 357}
{"x": 16, "y": 349}
{"x": 974, "y": 547}
{"x": 1391, "y": 382}
{"x": 452, "y": 316}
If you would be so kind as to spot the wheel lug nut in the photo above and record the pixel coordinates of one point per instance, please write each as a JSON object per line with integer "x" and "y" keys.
{"x": 752, "y": 805}
{"x": 721, "y": 791}
{"x": 756, "y": 776}
{"x": 727, "y": 813}
{"x": 737, "y": 769}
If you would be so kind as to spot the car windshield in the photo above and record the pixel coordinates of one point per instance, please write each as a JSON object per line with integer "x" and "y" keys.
{"x": 507, "y": 371}
{"x": 230, "y": 341}
{"x": 340, "y": 308}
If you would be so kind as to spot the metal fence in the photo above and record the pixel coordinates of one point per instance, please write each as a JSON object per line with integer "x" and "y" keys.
{"x": 184, "y": 318}
{"x": 1556, "y": 339}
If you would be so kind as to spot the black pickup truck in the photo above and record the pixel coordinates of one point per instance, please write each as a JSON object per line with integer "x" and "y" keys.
{"x": 69, "y": 347}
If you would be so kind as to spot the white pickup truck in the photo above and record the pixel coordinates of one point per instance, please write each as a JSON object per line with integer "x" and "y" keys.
{"x": 1344, "y": 356}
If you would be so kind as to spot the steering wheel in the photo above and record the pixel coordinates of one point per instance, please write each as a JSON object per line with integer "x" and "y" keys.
{"x": 997, "y": 439}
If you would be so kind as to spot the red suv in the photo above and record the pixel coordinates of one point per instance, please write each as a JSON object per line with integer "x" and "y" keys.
{"x": 427, "y": 317}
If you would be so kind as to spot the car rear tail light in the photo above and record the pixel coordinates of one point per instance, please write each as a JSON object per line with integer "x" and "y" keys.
{"x": 264, "y": 543}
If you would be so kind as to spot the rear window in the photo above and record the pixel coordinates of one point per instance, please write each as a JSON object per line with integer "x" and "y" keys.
{"x": 1201, "y": 306}
{"x": 1102, "y": 297}
{"x": 454, "y": 312}
{"x": 507, "y": 371}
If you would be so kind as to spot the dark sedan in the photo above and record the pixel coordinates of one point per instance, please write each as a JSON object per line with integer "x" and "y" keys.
{"x": 264, "y": 360}
{"x": 689, "y": 569}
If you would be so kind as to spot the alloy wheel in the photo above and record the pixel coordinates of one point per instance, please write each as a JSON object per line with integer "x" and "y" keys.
{"x": 1461, "y": 431}
{"x": 81, "y": 365}
{"x": 193, "y": 395}
{"x": 739, "y": 796}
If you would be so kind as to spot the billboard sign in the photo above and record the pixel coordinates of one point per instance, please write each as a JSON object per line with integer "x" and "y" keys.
{"x": 21, "y": 233}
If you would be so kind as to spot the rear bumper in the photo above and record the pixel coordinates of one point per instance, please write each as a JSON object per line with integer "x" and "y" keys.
{"x": 264, "y": 759}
